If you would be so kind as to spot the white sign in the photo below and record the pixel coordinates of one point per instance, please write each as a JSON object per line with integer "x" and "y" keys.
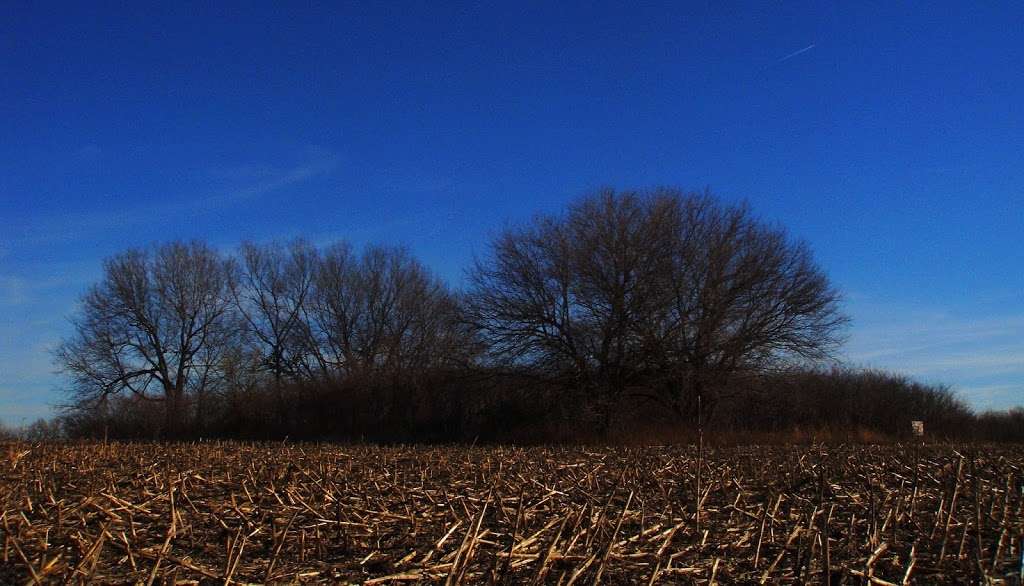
{"x": 918, "y": 427}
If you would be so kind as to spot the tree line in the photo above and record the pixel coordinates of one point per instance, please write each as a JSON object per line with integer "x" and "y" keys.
{"x": 627, "y": 307}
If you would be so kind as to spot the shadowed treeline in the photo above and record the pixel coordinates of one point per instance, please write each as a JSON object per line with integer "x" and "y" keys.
{"x": 631, "y": 315}
{"x": 448, "y": 406}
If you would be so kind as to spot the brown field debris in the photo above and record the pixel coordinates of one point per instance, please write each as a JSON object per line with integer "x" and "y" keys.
{"x": 222, "y": 513}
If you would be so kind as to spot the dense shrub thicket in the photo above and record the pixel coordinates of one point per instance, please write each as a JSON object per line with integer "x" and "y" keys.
{"x": 839, "y": 404}
{"x": 635, "y": 315}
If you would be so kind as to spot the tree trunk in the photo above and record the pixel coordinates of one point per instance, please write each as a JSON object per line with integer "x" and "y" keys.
{"x": 173, "y": 413}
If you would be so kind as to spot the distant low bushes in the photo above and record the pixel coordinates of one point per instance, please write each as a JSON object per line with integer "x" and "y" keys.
{"x": 39, "y": 431}
{"x": 1001, "y": 426}
{"x": 843, "y": 399}
{"x": 836, "y": 405}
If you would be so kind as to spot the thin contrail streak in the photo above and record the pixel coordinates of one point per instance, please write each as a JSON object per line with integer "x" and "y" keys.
{"x": 795, "y": 53}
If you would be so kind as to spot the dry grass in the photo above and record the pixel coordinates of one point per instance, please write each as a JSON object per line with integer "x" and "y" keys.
{"x": 240, "y": 513}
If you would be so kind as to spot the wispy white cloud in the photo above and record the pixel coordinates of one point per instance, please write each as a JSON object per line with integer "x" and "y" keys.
{"x": 281, "y": 180}
{"x": 18, "y": 290}
{"x": 982, "y": 361}
{"x": 23, "y": 407}
{"x": 12, "y": 290}
{"x": 994, "y": 396}
{"x": 916, "y": 333}
{"x": 88, "y": 153}
{"x": 978, "y": 356}
{"x": 68, "y": 228}
{"x": 795, "y": 53}
{"x": 28, "y": 335}
{"x": 29, "y": 357}
{"x": 27, "y": 380}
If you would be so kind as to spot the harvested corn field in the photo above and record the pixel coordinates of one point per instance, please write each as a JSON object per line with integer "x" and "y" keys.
{"x": 272, "y": 513}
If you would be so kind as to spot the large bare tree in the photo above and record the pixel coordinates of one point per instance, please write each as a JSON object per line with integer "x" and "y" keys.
{"x": 661, "y": 293}
{"x": 740, "y": 297}
{"x": 564, "y": 295}
{"x": 271, "y": 285}
{"x": 381, "y": 312}
{"x": 153, "y": 326}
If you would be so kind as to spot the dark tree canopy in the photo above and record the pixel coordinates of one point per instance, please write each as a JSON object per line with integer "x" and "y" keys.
{"x": 663, "y": 286}
{"x": 741, "y": 296}
{"x": 271, "y": 286}
{"x": 154, "y": 325}
{"x": 381, "y": 311}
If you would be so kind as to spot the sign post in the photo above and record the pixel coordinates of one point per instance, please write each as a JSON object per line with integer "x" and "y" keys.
{"x": 918, "y": 427}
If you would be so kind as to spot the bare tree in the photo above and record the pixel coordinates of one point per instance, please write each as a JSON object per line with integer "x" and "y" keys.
{"x": 741, "y": 296}
{"x": 271, "y": 285}
{"x": 381, "y": 312}
{"x": 565, "y": 295}
{"x": 153, "y": 326}
{"x": 660, "y": 291}
{"x": 335, "y": 311}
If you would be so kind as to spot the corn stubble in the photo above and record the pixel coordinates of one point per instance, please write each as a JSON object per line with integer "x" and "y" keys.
{"x": 223, "y": 513}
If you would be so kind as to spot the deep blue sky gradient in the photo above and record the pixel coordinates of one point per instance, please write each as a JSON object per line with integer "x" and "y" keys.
{"x": 890, "y": 138}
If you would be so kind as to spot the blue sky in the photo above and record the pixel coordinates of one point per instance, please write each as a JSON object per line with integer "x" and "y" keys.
{"x": 891, "y": 138}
